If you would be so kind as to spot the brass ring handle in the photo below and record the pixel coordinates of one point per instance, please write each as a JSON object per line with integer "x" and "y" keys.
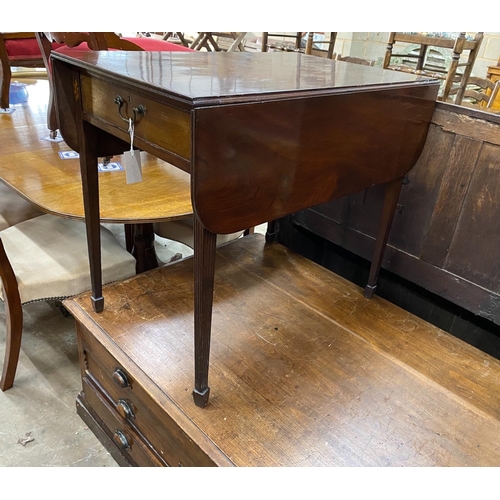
{"x": 139, "y": 110}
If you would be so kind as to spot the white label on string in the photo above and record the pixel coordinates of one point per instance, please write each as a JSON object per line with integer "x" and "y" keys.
{"x": 132, "y": 159}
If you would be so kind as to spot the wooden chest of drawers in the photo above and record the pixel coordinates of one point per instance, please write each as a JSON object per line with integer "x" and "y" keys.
{"x": 135, "y": 421}
{"x": 305, "y": 371}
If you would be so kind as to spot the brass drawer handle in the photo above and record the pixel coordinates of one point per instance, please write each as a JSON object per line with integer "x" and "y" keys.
{"x": 121, "y": 440}
{"x": 120, "y": 378}
{"x": 139, "y": 110}
{"x": 124, "y": 409}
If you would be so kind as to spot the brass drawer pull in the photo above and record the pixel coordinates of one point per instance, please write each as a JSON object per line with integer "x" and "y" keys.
{"x": 124, "y": 409}
{"x": 120, "y": 378}
{"x": 121, "y": 440}
{"x": 139, "y": 110}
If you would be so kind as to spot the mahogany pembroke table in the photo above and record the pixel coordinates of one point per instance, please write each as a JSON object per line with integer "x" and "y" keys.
{"x": 262, "y": 135}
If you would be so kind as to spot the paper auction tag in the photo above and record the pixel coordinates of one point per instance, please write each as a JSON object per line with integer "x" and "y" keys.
{"x": 132, "y": 159}
{"x": 133, "y": 170}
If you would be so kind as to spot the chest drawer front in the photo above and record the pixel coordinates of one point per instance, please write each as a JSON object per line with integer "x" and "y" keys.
{"x": 149, "y": 418}
{"x": 123, "y": 435}
{"x": 167, "y": 127}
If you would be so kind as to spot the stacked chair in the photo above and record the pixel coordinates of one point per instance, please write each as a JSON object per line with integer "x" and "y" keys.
{"x": 461, "y": 47}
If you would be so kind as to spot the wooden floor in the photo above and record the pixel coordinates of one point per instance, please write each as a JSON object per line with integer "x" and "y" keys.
{"x": 305, "y": 371}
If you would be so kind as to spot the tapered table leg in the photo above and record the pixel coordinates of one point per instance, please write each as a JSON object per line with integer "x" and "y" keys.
{"x": 87, "y": 139}
{"x": 204, "y": 269}
{"x": 272, "y": 229}
{"x": 392, "y": 191}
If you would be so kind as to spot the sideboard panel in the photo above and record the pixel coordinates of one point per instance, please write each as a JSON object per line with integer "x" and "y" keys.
{"x": 445, "y": 236}
{"x": 474, "y": 252}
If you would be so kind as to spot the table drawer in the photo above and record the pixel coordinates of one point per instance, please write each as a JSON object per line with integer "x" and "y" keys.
{"x": 164, "y": 126}
{"x": 137, "y": 407}
{"x": 123, "y": 435}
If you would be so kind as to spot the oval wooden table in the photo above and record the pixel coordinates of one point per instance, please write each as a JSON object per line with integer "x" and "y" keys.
{"x": 33, "y": 167}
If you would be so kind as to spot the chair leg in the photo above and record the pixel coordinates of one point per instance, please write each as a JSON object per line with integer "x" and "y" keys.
{"x": 45, "y": 49}
{"x": 14, "y": 321}
{"x": 5, "y": 78}
{"x": 52, "y": 123}
{"x": 129, "y": 237}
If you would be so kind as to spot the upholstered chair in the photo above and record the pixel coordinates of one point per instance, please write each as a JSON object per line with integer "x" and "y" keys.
{"x": 17, "y": 50}
{"x": 46, "y": 258}
{"x": 182, "y": 231}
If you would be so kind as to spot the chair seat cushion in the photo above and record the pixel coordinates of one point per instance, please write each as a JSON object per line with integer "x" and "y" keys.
{"x": 147, "y": 44}
{"x": 14, "y": 208}
{"x": 182, "y": 232}
{"x": 49, "y": 257}
{"x": 153, "y": 44}
{"x": 25, "y": 48}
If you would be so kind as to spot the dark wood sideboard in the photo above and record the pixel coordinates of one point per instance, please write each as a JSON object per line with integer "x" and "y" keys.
{"x": 305, "y": 372}
{"x": 446, "y": 231}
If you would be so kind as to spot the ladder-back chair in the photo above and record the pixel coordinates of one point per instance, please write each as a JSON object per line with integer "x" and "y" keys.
{"x": 480, "y": 93}
{"x": 462, "y": 47}
{"x": 311, "y": 45}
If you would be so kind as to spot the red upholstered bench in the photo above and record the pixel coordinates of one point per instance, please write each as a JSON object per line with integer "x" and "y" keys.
{"x": 146, "y": 44}
{"x": 152, "y": 45}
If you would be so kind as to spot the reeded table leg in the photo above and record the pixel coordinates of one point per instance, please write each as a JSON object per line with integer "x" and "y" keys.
{"x": 204, "y": 269}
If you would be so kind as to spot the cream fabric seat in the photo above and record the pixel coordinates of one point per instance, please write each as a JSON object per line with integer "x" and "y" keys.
{"x": 46, "y": 258}
{"x": 49, "y": 257}
{"x": 183, "y": 232}
{"x": 14, "y": 208}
